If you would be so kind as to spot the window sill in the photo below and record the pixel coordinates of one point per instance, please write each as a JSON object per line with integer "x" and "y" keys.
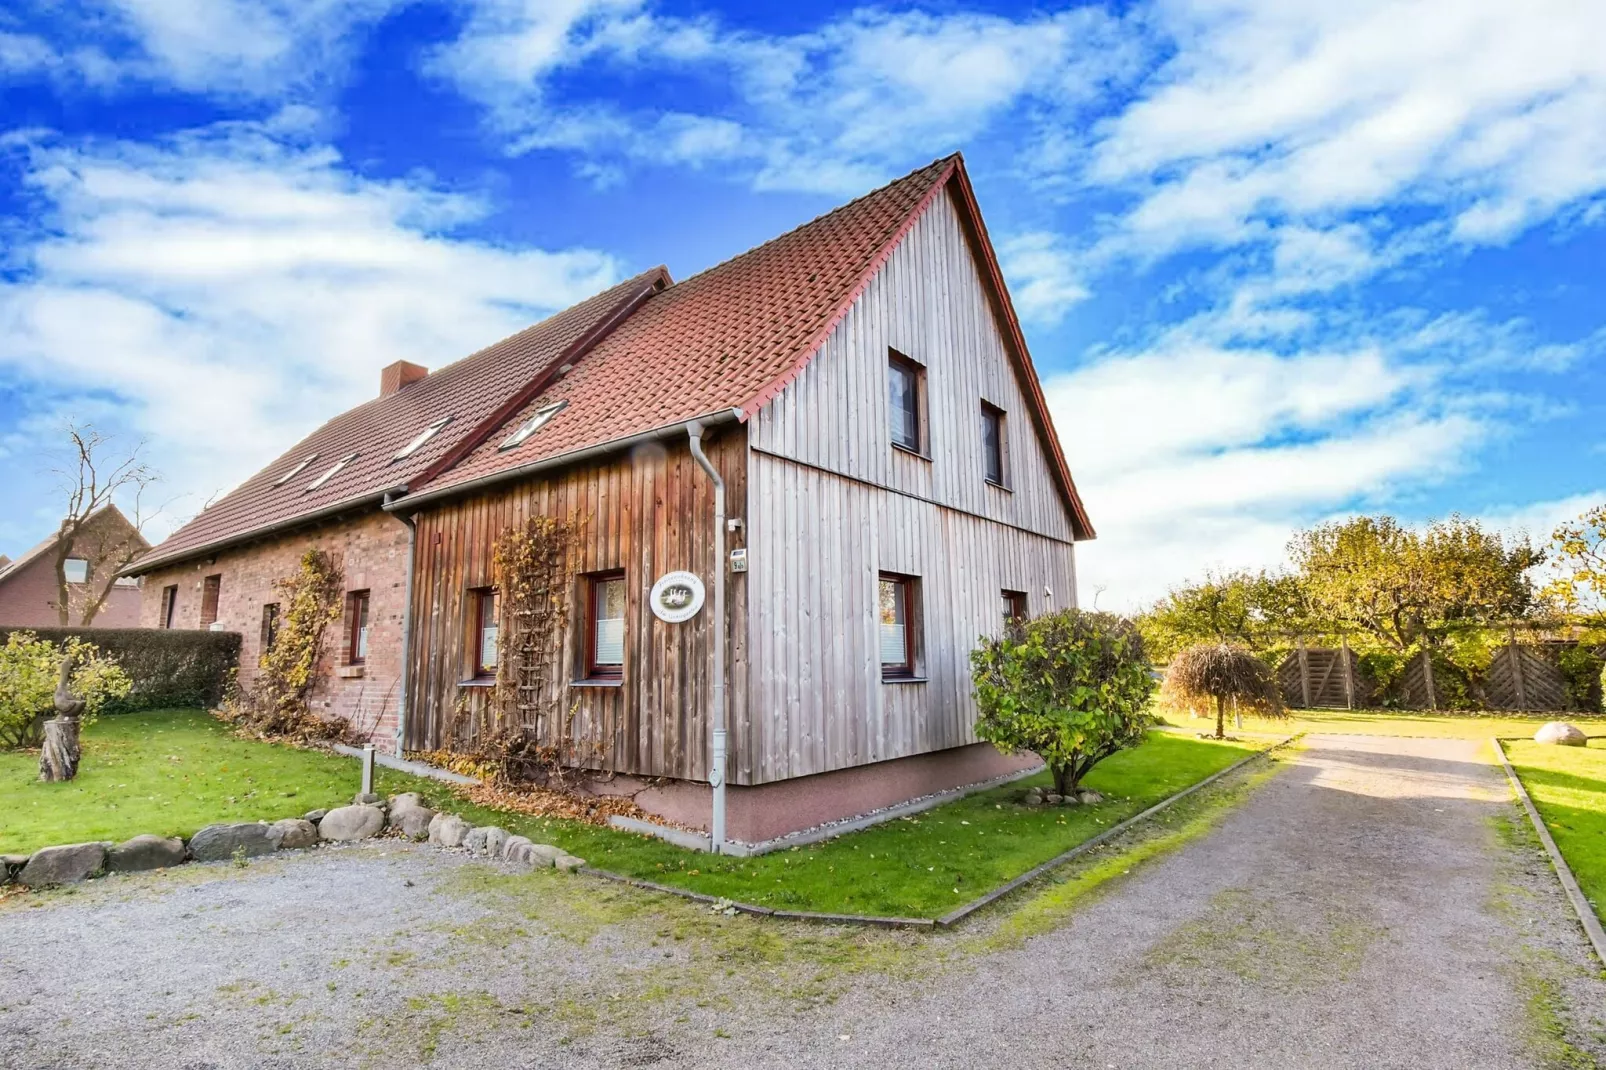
{"x": 599, "y": 681}
{"x": 913, "y": 453}
{"x": 1005, "y": 487}
{"x": 904, "y": 679}
{"x": 478, "y": 681}
{"x": 350, "y": 672}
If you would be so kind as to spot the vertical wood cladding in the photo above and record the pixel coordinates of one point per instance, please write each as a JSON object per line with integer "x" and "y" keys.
{"x": 647, "y": 512}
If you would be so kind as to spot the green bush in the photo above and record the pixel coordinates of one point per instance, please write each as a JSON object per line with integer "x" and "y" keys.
{"x": 166, "y": 667}
{"x": 29, "y": 668}
{"x": 1072, "y": 687}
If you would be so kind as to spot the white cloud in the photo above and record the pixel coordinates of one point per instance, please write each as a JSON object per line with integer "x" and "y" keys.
{"x": 224, "y": 292}
{"x": 1044, "y": 278}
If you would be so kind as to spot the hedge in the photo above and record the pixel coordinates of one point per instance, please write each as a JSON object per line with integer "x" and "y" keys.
{"x": 168, "y": 667}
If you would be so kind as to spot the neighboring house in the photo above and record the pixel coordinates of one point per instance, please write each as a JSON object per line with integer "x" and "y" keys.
{"x": 894, "y": 488}
{"x": 29, "y": 594}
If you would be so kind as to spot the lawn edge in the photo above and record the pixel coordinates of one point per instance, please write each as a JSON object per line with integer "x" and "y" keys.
{"x": 957, "y": 915}
{"x": 1564, "y": 873}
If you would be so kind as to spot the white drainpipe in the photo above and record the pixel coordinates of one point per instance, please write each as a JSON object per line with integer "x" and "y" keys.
{"x": 716, "y": 773}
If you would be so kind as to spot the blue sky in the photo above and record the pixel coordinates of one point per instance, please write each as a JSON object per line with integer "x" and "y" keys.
{"x": 1278, "y": 260}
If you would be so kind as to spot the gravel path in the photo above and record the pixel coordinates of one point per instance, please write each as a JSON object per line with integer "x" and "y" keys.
{"x": 1374, "y": 904}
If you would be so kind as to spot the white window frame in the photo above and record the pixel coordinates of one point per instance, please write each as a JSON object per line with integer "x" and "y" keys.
{"x": 297, "y": 470}
{"x": 538, "y": 419}
{"x": 423, "y": 436}
{"x": 333, "y": 470}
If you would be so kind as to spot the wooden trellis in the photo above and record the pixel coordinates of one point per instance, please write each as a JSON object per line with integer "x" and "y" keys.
{"x": 1313, "y": 677}
{"x": 1521, "y": 678}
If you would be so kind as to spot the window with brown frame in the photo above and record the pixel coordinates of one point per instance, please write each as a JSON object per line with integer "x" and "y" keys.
{"x": 994, "y": 446}
{"x": 1014, "y": 605}
{"x": 270, "y": 626}
{"x": 169, "y": 599}
{"x": 898, "y": 608}
{"x": 211, "y": 592}
{"x": 356, "y": 627}
{"x": 486, "y": 620}
{"x": 605, "y": 625}
{"x": 906, "y": 407}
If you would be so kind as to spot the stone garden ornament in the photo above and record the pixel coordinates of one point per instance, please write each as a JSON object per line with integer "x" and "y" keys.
{"x": 58, "y": 758}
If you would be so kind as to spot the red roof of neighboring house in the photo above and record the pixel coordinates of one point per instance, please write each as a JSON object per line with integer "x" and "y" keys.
{"x": 643, "y": 356}
{"x": 471, "y": 391}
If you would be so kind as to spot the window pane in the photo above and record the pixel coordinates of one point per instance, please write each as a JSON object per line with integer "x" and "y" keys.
{"x": 488, "y": 626}
{"x": 902, "y": 382}
{"x": 894, "y": 624}
{"x": 610, "y": 610}
{"x": 77, "y": 570}
{"x": 992, "y": 445}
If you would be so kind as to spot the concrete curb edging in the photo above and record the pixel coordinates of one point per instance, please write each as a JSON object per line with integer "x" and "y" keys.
{"x": 1564, "y": 873}
{"x": 403, "y": 765}
{"x": 953, "y": 917}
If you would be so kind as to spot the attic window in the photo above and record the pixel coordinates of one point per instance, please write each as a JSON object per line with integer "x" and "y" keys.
{"x": 537, "y": 420}
{"x": 327, "y": 476}
{"x": 288, "y": 476}
{"x": 423, "y": 436}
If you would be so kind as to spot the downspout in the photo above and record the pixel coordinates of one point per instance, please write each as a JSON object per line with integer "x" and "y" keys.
{"x": 407, "y": 630}
{"x": 716, "y": 773}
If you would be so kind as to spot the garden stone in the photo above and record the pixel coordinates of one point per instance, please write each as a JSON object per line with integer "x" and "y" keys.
{"x": 544, "y": 854}
{"x": 414, "y": 821}
{"x": 145, "y": 852}
{"x": 356, "y": 822}
{"x": 217, "y": 843}
{"x": 1053, "y": 799}
{"x": 367, "y": 798}
{"x": 314, "y": 816}
{"x": 293, "y": 833}
{"x": 1561, "y": 733}
{"x": 517, "y": 849}
{"x": 10, "y": 866}
{"x": 63, "y": 865}
{"x": 407, "y": 799}
{"x": 487, "y": 840}
{"x": 1070, "y": 800}
{"x": 568, "y": 863}
{"x": 1090, "y": 798}
{"x": 450, "y": 831}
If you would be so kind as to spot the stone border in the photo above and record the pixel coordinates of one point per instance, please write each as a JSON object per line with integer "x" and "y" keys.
{"x": 953, "y": 917}
{"x": 1564, "y": 873}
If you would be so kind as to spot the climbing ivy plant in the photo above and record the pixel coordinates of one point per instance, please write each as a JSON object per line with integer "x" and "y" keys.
{"x": 289, "y": 669}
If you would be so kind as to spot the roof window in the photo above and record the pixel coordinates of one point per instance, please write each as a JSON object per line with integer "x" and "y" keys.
{"x": 423, "y": 436}
{"x": 537, "y": 420}
{"x": 327, "y": 476}
{"x": 288, "y": 476}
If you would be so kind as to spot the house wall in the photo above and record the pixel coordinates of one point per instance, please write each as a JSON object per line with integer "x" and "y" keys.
{"x": 648, "y": 512}
{"x": 371, "y": 550}
{"x": 834, "y": 504}
{"x": 28, "y": 591}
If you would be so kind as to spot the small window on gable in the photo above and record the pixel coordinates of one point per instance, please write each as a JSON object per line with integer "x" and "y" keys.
{"x": 423, "y": 436}
{"x": 538, "y": 419}
{"x": 994, "y": 446}
{"x": 1014, "y": 606}
{"x": 297, "y": 470}
{"x": 77, "y": 570}
{"x": 333, "y": 470}
{"x": 211, "y": 594}
{"x": 270, "y": 626}
{"x": 905, "y": 380}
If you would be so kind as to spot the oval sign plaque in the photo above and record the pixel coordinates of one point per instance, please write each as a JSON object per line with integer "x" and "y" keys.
{"x": 676, "y": 597}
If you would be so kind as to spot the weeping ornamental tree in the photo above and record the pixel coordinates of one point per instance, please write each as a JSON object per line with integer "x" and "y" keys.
{"x": 1222, "y": 673}
{"x": 1072, "y": 687}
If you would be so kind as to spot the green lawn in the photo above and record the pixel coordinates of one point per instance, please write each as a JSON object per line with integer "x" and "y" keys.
{"x": 171, "y": 772}
{"x": 1568, "y": 785}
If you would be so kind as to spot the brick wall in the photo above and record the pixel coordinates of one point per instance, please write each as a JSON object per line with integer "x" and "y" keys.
{"x": 28, "y": 599}
{"x": 372, "y": 551}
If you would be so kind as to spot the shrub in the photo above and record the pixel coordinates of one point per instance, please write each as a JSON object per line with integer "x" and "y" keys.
{"x": 1072, "y": 687}
{"x": 1222, "y": 673}
{"x": 28, "y": 670}
{"x": 166, "y": 668}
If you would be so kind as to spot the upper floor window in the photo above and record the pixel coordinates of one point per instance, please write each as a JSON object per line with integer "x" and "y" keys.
{"x": 605, "y": 625}
{"x": 898, "y": 596}
{"x": 356, "y": 627}
{"x": 486, "y": 623}
{"x": 905, "y": 379}
{"x": 211, "y": 593}
{"x": 331, "y": 473}
{"x": 538, "y": 419}
{"x": 77, "y": 570}
{"x": 295, "y": 471}
{"x": 994, "y": 448}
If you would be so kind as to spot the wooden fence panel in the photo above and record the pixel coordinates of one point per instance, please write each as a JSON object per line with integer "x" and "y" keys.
{"x": 1521, "y": 678}
{"x": 1318, "y": 672}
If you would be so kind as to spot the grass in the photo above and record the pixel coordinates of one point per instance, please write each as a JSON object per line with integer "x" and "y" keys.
{"x": 1568, "y": 786}
{"x": 171, "y": 772}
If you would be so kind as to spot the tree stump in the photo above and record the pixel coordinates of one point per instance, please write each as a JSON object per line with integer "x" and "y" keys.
{"x": 58, "y": 759}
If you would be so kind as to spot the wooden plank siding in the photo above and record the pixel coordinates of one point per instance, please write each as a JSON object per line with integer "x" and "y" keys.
{"x": 647, "y": 512}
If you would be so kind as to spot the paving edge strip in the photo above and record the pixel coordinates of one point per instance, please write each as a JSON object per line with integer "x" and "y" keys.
{"x": 1564, "y": 873}
{"x": 953, "y": 917}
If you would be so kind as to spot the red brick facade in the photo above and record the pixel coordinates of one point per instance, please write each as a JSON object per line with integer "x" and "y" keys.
{"x": 28, "y": 592}
{"x": 372, "y": 552}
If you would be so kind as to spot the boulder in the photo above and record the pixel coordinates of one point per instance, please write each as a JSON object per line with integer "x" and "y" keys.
{"x": 293, "y": 833}
{"x": 1560, "y": 733}
{"x": 356, "y": 822}
{"x": 448, "y": 830}
{"x": 414, "y": 821}
{"x": 406, "y": 799}
{"x": 367, "y": 798}
{"x": 10, "y": 866}
{"x": 1053, "y": 799}
{"x": 1033, "y": 800}
{"x": 63, "y": 865}
{"x": 313, "y": 816}
{"x": 517, "y": 849}
{"x": 568, "y": 863}
{"x": 487, "y": 841}
{"x": 217, "y": 843}
{"x": 1069, "y": 800}
{"x": 145, "y": 852}
{"x": 1089, "y": 798}
{"x": 544, "y": 854}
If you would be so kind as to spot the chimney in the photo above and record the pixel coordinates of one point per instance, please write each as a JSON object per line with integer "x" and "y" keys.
{"x": 395, "y": 376}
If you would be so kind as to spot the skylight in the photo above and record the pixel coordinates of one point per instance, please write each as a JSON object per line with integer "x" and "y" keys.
{"x": 537, "y": 420}
{"x": 423, "y": 436}
{"x": 327, "y": 476}
{"x": 288, "y": 476}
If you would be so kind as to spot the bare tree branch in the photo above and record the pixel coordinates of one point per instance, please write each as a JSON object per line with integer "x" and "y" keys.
{"x": 93, "y": 475}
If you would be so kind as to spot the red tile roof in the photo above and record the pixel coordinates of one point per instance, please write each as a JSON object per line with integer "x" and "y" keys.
{"x": 471, "y": 391}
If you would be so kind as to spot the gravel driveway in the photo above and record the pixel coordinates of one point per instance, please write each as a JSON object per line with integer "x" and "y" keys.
{"x": 1374, "y": 904}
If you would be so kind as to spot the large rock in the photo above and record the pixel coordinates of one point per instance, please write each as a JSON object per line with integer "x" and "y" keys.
{"x": 568, "y": 862}
{"x": 487, "y": 841}
{"x": 367, "y": 798}
{"x": 352, "y": 823}
{"x": 1090, "y": 798}
{"x": 1560, "y": 733}
{"x": 448, "y": 830}
{"x": 10, "y": 866}
{"x": 517, "y": 849}
{"x": 294, "y": 833}
{"x": 314, "y": 816}
{"x": 406, "y": 799}
{"x": 218, "y": 843}
{"x": 63, "y": 865}
{"x": 145, "y": 852}
{"x": 410, "y": 815}
{"x": 544, "y": 854}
